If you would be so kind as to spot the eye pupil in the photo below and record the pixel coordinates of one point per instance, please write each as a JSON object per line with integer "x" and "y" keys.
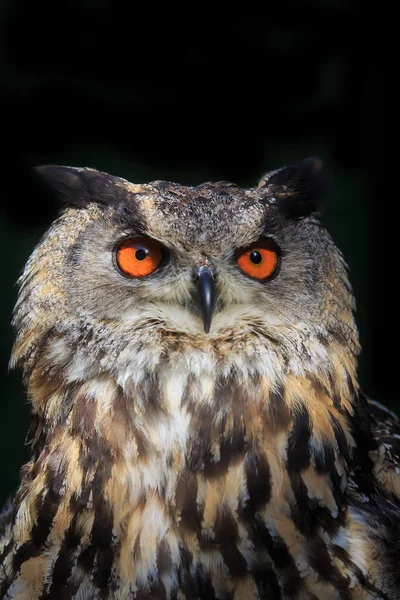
{"x": 140, "y": 254}
{"x": 255, "y": 257}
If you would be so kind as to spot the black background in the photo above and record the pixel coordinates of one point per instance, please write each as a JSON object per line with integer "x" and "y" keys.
{"x": 193, "y": 99}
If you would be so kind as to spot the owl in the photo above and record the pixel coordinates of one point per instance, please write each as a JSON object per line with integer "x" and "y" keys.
{"x": 198, "y": 430}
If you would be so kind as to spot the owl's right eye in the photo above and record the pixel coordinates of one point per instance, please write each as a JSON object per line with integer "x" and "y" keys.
{"x": 138, "y": 257}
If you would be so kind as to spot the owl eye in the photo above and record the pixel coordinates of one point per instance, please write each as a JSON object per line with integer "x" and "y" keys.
{"x": 138, "y": 257}
{"x": 260, "y": 260}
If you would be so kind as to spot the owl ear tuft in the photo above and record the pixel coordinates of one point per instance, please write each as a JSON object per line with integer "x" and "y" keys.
{"x": 78, "y": 186}
{"x": 297, "y": 188}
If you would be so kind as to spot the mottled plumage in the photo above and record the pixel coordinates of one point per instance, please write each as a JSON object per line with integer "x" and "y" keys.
{"x": 171, "y": 462}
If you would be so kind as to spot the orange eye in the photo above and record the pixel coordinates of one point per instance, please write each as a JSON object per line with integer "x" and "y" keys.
{"x": 260, "y": 260}
{"x": 138, "y": 257}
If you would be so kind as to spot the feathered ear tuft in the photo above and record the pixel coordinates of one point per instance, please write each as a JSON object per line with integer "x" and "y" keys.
{"x": 297, "y": 188}
{"x": 78, "y": 186}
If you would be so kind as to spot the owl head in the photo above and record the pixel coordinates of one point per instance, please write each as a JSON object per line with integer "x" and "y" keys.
{"x": 132, "y": 275}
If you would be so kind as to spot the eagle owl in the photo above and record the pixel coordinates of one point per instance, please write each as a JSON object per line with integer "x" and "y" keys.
{"x": 198, "y": 430}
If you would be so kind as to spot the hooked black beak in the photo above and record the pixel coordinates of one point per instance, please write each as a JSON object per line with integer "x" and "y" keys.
{"x": 206, "y": 294}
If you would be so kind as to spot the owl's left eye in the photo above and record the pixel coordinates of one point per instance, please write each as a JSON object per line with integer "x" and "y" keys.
{"x": 260, "y": 260}
{"x": 138, "y": 257}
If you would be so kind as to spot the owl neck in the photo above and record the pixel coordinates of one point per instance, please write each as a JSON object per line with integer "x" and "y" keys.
{"x": 183, "y": 445}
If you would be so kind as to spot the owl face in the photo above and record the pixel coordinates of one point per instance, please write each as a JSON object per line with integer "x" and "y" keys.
{"x": 212, "y": 265}
{"x": 167, "y": 253}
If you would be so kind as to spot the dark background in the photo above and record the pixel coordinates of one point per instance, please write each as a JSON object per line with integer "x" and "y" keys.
{"x": 195, "y": 100}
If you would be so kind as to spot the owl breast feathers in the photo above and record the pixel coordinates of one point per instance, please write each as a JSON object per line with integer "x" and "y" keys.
{"x": 198, "y": 431}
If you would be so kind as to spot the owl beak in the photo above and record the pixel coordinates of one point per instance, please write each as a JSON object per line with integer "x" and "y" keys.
{"x": 205, "y": 285}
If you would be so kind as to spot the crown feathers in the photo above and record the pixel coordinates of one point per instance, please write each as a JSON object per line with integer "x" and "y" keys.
{"x": 296, "y": 188}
